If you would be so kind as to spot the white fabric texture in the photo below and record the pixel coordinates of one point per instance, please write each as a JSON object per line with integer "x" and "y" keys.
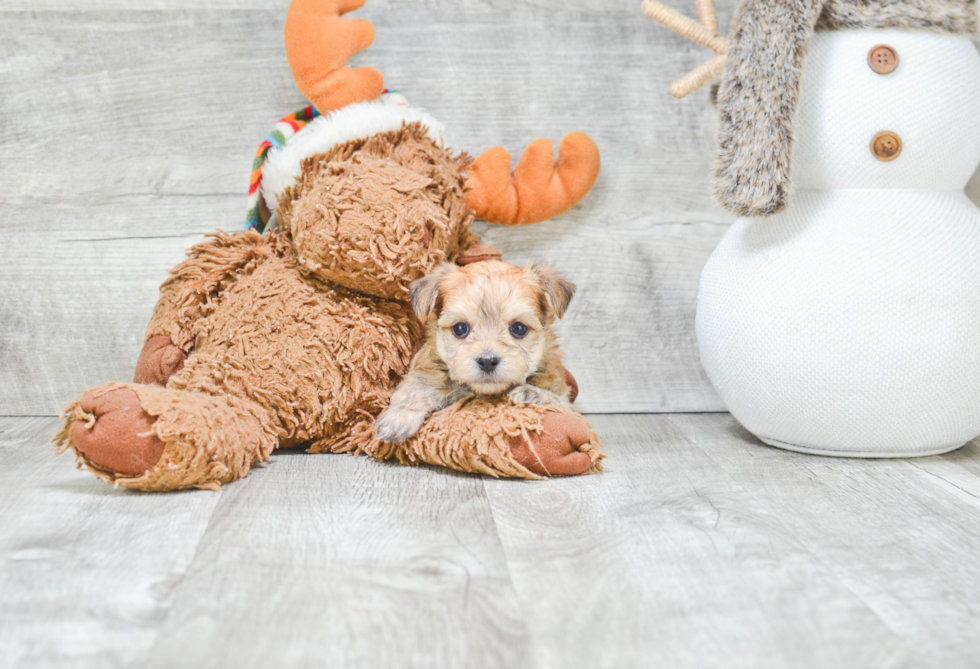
{"x": 931, "y": 100}
{"x": 356, "y": 121}
{"x": 850, "y": 323}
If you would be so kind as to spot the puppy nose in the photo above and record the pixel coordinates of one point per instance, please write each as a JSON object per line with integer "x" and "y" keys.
{"x": 488, "y": 362}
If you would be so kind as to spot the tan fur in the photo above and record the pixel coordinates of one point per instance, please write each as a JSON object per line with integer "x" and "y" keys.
{"x": 374, "y": 215}
{"x": 190, "y": 292}
{"x": 489, "y": 299}
{"x": 196, "y": 455}
{"x": 301, "y": 336}
{"x": 306, "y": 331}
{"x": 476, "y": 435}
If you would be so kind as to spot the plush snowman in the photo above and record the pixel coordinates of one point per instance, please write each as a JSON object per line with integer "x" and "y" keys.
{"x": 840, "y": 314}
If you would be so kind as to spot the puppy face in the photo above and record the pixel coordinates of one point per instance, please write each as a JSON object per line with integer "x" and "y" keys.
{"x": 491, "y": 321}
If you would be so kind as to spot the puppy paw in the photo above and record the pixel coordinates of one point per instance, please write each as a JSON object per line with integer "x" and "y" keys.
{"x": 528, "y": 394}
{"x": 158, "y": 361}
{"x": 555, "y": 451}
{"x": 396, "y": 425}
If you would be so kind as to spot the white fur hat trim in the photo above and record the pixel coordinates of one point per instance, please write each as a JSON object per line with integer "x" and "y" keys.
{"x": 356, "y": 121}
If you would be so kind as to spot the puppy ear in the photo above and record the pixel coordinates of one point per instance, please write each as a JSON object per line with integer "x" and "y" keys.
{"x": 425, "y": 291}
{"x": 556, "y": 290}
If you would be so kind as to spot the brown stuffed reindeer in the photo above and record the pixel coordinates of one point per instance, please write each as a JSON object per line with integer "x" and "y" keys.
{"x": 299, "y": 336}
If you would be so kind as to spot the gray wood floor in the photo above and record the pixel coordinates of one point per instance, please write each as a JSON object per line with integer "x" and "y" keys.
{"x": 698, "y": 546}
{"x": 127, "y": 129}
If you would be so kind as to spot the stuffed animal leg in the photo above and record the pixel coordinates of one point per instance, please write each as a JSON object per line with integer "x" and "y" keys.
{"x": 502, "y": 439}
{"x": 151, "y": 438}
{"x": 146, "y": 437}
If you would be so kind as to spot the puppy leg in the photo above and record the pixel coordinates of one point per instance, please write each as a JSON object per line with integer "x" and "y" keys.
{"x": 528, "y": 394}
{"x": 416, "y": 397}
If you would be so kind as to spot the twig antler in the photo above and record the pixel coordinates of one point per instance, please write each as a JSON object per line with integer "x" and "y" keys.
{"x": 704, "y": 33}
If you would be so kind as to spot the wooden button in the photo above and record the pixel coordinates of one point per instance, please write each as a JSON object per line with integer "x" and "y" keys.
{"x": 886, "y": 146}
{"x": 883, "y": 59}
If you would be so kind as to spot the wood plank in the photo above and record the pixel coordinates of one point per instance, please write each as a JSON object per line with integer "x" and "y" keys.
{"x": 667, "y": 560}
{"x": 180, "y": 125}
{"x": 330, "y": 560}
{"x": 697, "y": 547}
{"x": 958, "y": 472}
{"x": 160, "y": 157}
{"x": 66, "y": 330}
{"x": 74, "y": 308}
{"x": 898, "y": 536}
{"x": 14, "y": 432}
{"x": 725, "y": 7}
{"x": 135, "y": 144}
{"x": 86, "y": 570}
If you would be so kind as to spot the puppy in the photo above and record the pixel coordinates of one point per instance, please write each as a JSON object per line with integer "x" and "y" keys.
{"x": 488, "y": 331}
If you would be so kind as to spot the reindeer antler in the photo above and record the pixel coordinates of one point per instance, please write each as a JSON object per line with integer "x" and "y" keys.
{"x": 318, "y": 44}
{"x": 540, "y": 187}
{"x": 704, "y": 33}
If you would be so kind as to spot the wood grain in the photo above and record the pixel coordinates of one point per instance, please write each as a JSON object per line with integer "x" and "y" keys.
{"x": 698, "y": 546}
{"x": 14, "y": 432}
{"x": 900, "y": 535}
{"x": 75, "y": 306}
{"x": 668, "y": 560}
{"x": 155, "y": 115}
{"x": 125, "y": 135}
{"x": 475, "y": 6}
{"x": 86, "y": 571}
{"x": 330, "y": 560}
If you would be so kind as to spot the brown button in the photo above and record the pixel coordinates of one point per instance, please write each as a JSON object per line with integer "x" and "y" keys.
{"x": 883, "y": 59}
{"x": 886, "y": 146}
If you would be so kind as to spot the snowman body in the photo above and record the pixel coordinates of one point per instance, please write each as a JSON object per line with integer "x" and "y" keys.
{"x": 849, "y": 323}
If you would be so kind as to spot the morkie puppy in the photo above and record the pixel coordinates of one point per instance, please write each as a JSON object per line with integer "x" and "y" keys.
{"x": 488, "y": 331}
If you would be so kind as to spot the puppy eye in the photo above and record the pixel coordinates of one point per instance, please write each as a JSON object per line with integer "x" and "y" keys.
{"x": 518, "y": 330}
{"x": 461, "y": 329}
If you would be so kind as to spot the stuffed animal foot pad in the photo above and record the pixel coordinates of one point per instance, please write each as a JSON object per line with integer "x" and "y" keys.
{"x": 117, "y": 433}
{"x": 563, "y": 447}
{"x": 151, "y": 438}
{"x": 158, "y": 361}
{"x": 502, "y": 440}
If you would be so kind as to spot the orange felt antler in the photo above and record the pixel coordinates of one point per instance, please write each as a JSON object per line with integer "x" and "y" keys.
{"x": 540, "y": 188}
{"x": 318, "y": 44}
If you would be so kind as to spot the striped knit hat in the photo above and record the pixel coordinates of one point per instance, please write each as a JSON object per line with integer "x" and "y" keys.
{"x": 258, "y": 216}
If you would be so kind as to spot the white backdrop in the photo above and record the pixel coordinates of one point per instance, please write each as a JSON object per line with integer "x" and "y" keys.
{"x": 126, "y": 135}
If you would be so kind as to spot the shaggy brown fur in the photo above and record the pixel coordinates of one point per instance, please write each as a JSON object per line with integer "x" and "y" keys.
{"x": 374, "y": 215}
{"x": 760, "y": 86}
{"x": 478, "y": 435}
{"x": 197, "y": 452}
{"x": 299, "y": 337}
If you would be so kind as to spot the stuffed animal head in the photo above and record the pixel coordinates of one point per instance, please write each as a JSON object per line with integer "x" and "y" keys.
{"x": 362, "y": 186}
{"x": 375, "y": 214}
